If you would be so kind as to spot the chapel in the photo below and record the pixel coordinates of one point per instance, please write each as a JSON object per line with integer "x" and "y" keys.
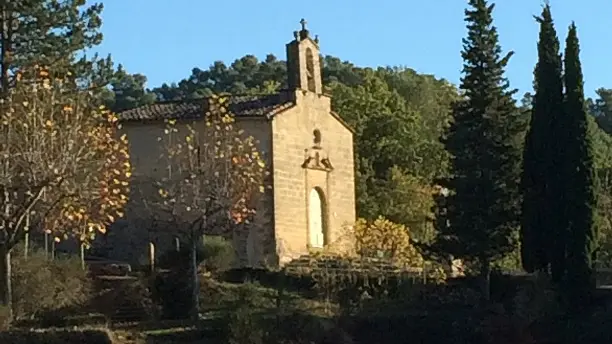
{"x": 308, "y": 148}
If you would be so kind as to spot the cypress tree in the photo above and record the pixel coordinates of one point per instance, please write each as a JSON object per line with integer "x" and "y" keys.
{"x": 483, "y": 140}
{"x": 580, "y": 180}
{"x": 542, "y": 242}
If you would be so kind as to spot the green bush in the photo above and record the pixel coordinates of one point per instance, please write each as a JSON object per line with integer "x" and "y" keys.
{"x": 214, "y": 253}
{"x": 244, "y": 327}
{"x": 250, "y": 323}
{"x": 41, "y": 286}
{"x": 56, "y": 337}
{"x": 218, "y": 254}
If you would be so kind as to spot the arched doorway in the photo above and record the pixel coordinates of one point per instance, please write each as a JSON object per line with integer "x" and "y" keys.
{"x": 316, "y": 220}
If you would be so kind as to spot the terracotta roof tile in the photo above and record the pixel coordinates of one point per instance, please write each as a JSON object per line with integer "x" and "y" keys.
{"x": 239, "y": 105}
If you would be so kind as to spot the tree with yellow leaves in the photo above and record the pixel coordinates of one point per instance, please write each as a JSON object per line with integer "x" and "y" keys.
{"x": 384, "y": 239}
{"x": 63, "y": 166}
{"x": 214, "y": 176}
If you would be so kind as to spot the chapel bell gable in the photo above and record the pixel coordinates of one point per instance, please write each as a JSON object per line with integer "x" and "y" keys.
{"x": 304, "y": 62}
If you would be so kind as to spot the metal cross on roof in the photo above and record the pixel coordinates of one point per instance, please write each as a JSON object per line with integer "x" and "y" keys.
{"x": 303, "y": 23}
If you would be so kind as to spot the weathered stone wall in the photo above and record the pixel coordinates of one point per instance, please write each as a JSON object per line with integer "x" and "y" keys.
{"x": 130, "y": 240}
{"x": 292, "y": 135}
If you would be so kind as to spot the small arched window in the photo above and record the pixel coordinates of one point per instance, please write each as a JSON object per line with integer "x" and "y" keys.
{"x": 316, "y": 137}
{"x": 310, "y": 70}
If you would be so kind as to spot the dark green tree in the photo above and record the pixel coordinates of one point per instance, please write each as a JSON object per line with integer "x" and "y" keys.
{"x": 128, "y": 91}
{"x": 542, "y": 239}
{"x": 51, "y": 33}
{"x": 579, "y": 179}
{"x": 484, "y": 137}
{"x": 601, "y": 108}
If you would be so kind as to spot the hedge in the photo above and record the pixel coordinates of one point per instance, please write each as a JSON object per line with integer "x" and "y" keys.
{"x": 56, "y": 337}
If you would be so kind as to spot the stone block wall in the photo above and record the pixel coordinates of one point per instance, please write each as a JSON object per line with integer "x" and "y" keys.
{"x": 292, "y": 134}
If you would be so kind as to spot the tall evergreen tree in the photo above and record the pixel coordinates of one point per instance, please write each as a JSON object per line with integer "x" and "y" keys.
{"x": 579, "y": 174}
{"x": 484, "y": 141}
{"x": 541, "y": 232}
{"x": 53, "y": 34}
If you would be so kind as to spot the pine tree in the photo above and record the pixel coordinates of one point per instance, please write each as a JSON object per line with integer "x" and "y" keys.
{"x": 579, "y": 178}
{"x": 484, "y": 141}
{"x": 542, "y": 242}
{"x": 52, "y": 34}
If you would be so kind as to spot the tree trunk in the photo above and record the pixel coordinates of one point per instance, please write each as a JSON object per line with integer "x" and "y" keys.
{"x": 46, "y": 245}
{"x": 26, "y": 244}
{"x": 194, "y": 276}
{"x": 485, "y": 276}
{"x": 6, "y": 292}
{"x": 5, "y": 45}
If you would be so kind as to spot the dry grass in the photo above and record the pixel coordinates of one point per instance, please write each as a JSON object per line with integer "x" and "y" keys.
{"x": 220, "y": 297}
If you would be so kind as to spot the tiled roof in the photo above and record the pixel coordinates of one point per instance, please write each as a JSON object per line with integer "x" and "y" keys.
{"x": 239, "y": 105}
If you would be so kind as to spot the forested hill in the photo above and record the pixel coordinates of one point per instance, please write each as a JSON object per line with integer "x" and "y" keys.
{"x": 398, "y": 114}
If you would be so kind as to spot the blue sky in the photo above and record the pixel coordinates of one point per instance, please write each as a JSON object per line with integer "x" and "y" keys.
{"x": 165, "y": 39}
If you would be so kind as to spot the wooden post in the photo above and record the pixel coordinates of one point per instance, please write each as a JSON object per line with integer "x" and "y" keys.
{"x": 82, "y": 255}
{"x": 177, "y": 244}
{"x": 152, "y": 256}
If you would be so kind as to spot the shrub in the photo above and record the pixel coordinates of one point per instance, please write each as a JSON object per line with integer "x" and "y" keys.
{"x": 172, "y": 291}
{"x": 5, "y": 319}
{"x": 126, "y": 300}
{"x": 536, "y": 300}
{"x": 391, "y": 242}
{"x": 56, "y": 337}
{"x": 214, "y": 254}
{"x": 383, "y": 238}
{"x": 244, "y": 327}
{"x": 218, "y": 254}
{"x": 44, "y": 286}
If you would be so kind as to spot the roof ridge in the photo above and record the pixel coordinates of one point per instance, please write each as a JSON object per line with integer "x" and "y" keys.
{"x": 177, "y": 101}
{"x": 195, "y": 100}
{"x": 239, "y": 104}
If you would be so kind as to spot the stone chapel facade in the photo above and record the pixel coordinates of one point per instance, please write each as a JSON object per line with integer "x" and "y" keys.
{"x": 308, "y": 148}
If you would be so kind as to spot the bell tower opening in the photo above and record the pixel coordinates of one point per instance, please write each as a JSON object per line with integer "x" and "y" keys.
{"x": 303, "y": 62}
{"x": 310, "y": 70}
